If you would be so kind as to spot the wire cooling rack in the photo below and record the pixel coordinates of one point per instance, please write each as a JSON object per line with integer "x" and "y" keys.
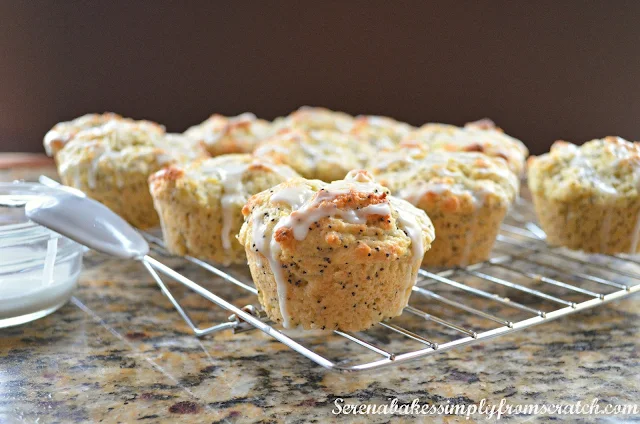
{"x": 523, "y": 284}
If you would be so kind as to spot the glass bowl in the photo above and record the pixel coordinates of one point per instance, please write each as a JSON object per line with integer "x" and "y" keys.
{"x": 39, "y": 268}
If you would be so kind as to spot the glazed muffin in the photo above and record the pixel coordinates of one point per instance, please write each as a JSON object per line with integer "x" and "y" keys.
{"x": 381, "y": 131}
{"x": 480, "y": 136}
{"x": 112, "y": 164}
{"x": 587, "y": 198}
{"x": 466, "y": 195}
{"x": 343, "y": 255}
{"x": 309, "y": 118}
{"x": 200, "y": 204}
{"x": 63, "y": 132}
{"x": 319, "y": 154}
{"x": 237, "y": 134}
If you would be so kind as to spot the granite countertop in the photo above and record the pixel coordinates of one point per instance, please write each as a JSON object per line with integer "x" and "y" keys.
{"x": 118, "y": 352}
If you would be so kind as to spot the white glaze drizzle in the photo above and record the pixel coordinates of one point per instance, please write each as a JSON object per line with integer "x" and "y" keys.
{"x": 587, "y": 171}
{"x": 295, "y": 197}
{"x": 234, "y": 192}
{"x": 50, "y": 260}
{"x": 408, "y": 219}
{"x": 50, "y": 137}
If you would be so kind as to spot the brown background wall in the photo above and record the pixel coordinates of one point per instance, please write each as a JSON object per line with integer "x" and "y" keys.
{"x": 541, "y": 70}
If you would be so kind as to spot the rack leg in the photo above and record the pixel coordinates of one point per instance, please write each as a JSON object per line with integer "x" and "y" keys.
{"x": 198, "y": 331}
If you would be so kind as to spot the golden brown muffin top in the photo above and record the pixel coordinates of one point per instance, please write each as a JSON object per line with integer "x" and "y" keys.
{"x": 309, "y": 118}
{"x": 381, "y": 131}
{"x": 63, "y": 132}
{"x": 288, "y": 210}
{"x": 227, "y": 181}
{"x": 480, "y": 136}
{"x": 321, "y": 154}
{"x": 233, "y": 174}
{"x": 235, "y": 134}
{"x": 127, "y": 147}
{"x": 603, "y": 168}
{"x": 413, "y": 173}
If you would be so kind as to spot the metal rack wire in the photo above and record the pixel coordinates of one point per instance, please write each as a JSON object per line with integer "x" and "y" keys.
{"x": 523, "y": 284}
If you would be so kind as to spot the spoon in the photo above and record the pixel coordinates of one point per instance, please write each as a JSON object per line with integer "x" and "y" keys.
{"x": 87, "y": 222}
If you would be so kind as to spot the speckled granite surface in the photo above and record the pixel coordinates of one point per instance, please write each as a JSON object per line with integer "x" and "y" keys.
{"x": 118, "y": 352}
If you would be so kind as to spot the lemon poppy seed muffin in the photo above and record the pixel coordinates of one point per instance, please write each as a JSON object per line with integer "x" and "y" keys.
{"x": 480, "y": 136}
{"x": 63, "y": 132}
{"x": 237, "y": 134}
{"x": 588, "y": 197}
{"x": 318, "y": 154}
{"x": 308, "y": 118}
{"x": 200, "y": 204}
{"x": 381, "y": 131}
{"x": 466, "y": 195}
{"x": 112, "y": 163}
{"x": 343, "y": 255}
